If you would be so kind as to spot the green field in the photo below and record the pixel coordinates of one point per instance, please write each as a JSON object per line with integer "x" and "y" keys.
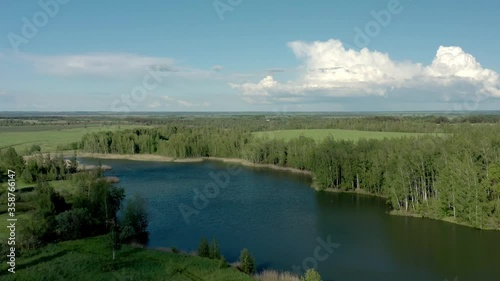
{"x": 320, "y": 134}
{"x": 49, "y": 137}
{"x": 91, "y": 259}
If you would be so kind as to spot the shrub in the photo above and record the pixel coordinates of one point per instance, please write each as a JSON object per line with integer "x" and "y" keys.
{"x": 311, "y": 275}
{"x": 135, "y": 221}
{"x": 214, "y": 250}
{"x": 247, "y": 262}
{"x": 223, "y": 263}
{"x": 204, "y": 248}
{"x": 27, "y": 176}
{"x": 73, "y": 224}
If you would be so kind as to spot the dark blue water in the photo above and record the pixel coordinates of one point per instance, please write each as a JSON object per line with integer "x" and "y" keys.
{"x": 290, "y": 227}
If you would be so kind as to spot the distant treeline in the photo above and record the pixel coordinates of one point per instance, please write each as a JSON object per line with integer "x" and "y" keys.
{"x": 254, "y": 122}
{"x": 279, "y": 121}
{"x": 456, "y": 176}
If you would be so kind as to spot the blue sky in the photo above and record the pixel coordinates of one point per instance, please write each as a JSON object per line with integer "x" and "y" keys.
{"x": 249, "y": 55}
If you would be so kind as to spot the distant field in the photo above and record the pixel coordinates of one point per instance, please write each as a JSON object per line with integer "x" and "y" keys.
{"x": 319, "y": 134}
{"x": 48, "y": 137}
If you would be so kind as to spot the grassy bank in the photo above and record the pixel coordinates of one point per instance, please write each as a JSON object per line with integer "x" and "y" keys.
{"x": 90, "y": 259}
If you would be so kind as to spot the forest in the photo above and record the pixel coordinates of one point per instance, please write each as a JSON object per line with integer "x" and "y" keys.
{"x": 453, "y": 175}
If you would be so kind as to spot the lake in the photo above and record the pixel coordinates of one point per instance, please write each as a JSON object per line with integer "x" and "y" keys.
{"x": 288, "y": 226}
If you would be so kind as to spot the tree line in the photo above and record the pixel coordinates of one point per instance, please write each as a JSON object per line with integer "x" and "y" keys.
{"x": 91, "y": 209}
{"x": 454, "y": 176}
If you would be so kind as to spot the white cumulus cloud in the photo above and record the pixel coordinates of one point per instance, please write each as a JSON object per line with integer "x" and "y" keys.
{"x": 331, "y": 70}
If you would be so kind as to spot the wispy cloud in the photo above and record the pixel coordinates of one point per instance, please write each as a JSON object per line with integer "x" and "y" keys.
{"x": 331, "y": 70}
{"x": 185, "y": 103}
{"x": 217, "y": 68}
{"x": 99, "y": 64}
{"x": 276, "y": 70}
{"x": 169, "y": 101}
{"x": 155, "y": 104}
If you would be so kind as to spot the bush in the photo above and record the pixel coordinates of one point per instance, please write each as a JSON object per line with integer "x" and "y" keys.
{"x": 223, "y": 263}
{"x": 204, "y": 248}
{"x": 247, "y": 262}
{"x": 134, "y": 220}
{"x": 27, "y": 176}
{"x": 73, "y": 224}
{"x": 311, "y": 275}
{"x": 35, "y": 148}
{"x": 214, "y": 250}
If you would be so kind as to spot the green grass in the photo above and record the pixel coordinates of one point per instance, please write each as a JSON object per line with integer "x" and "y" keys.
{"x": 22, "y": 218}
{"x": 24, "y": 202}
{"x": 49, "y": 137}
{"x": 320, "y": 134}
{"x": 90, "y": 259}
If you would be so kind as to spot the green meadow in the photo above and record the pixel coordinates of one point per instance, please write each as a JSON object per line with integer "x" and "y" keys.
{"x": 91, "y": 259}
{"x": 49, "y": 137}
{"x": 338, "y": 134}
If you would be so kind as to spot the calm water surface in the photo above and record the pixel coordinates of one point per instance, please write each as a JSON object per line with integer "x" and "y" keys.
{"x": 283, "y": 222}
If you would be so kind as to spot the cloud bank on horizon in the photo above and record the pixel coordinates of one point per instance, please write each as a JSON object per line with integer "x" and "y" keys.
{"x": 327, "y": 73}
{"x": 330, "y": 70}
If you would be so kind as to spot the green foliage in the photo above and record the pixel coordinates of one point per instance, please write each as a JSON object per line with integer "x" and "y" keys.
{"x": 215, "y": 250}
{"x": 223, "y": 262}
{"x": 73, "y": 164}
{"x": 42, "y": 229}
{"x": 101, "y": 198}
{"x": 43, "y": 166}
{"x": 204, "y": 248}
{"x": 10, "y": 160}
{"x": 311, "y": 275}
{"x": 134, "y": 220}
{"x": 27, "y": 176}
{"x": 90, "y": 259}
{"x": 339, "y": 134}
{"x": 443, "y": 176}
{"x": 51, "y": 138}
{"x": 73, "y": 224}
{"x": 115, "y": 237}
{"x": 34, "y": 149}
{"x": 247, "y": 262}
{"x": 49, "y": 202}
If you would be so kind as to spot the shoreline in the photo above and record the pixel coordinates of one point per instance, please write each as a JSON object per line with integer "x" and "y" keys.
{"x": 159, "y": 158}
{"x": 243, "y": 162}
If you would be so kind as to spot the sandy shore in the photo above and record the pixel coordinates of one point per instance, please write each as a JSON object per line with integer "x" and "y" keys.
{"x": 141, "y": 157}
{"x": 159, "y": 158}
